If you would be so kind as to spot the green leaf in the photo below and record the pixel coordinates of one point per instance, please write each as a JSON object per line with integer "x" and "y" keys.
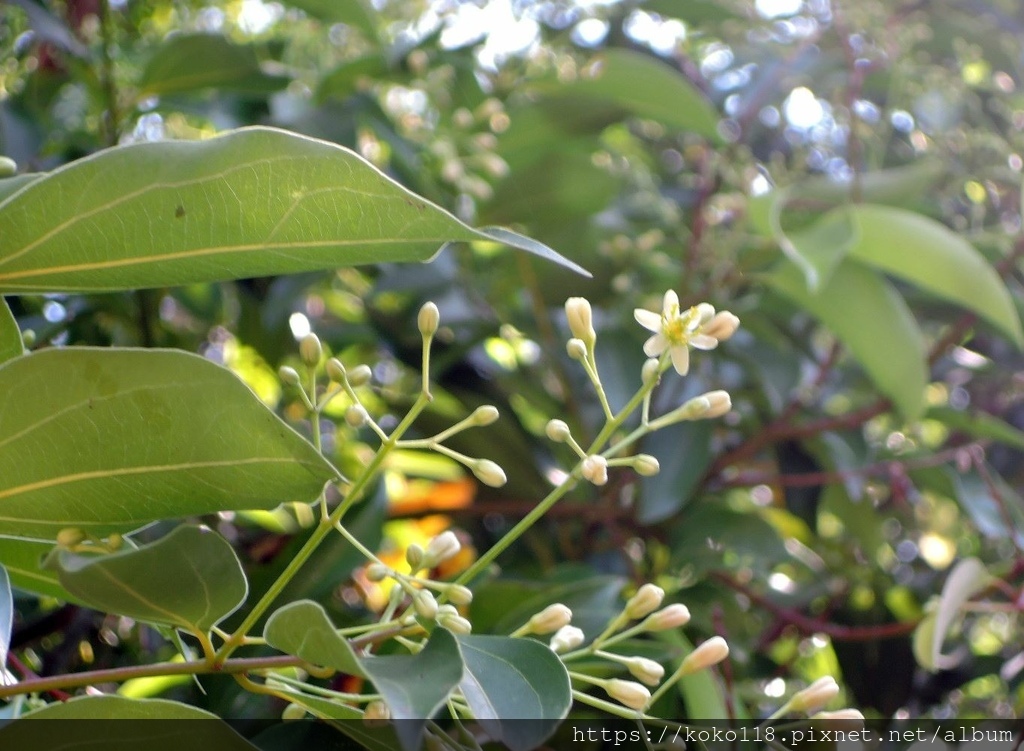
{"x": 930, "y": 255}
{"x": 6, "y": 617}
{"x": 108, "y": 440}
{"x": 817, "y": 249}
{"x": 649, "y": 88}
{"x": 350, "y": 12}
{"x": 517, "y": 688}
{"x": 344, "y": 80}
{"x": 968, "y": 578}
{"x": 303, "y": 629}
{"x": 347, "y": 720}
{"x": 871, "y": 319}
{"x": 251, "y": 202}
{"x": 190, "y": 578}
{"x": 11, "y": 345}
{"x": 190, "y": 62}
{"x": 416, "y": 686}
{"x": 978, "y": 425}
{"x": 11, "y": 185}
{"x": 993, "y": 505}
{"x": 165, "y": 730}
{"x": 684, "y": 451}
{"x": 23, "y": 559}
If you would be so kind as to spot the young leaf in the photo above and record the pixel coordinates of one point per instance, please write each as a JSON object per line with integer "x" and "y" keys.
{"x": 517, "y": 688}
{"x": 6, "y": 619}
{"x": 108, "y": 440}
{"x": 251, "y": 202}
{"x": 872, "y": 320}
{"x": 966, "y": 579}
{"x": 415, "y": 686}
{"x": 190, "y": 578}
{"x": 303, "y": 629}
{"x": 11, "y": 345}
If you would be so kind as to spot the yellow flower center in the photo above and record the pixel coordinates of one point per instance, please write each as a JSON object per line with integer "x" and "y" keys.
{"x": 677, "y": 327}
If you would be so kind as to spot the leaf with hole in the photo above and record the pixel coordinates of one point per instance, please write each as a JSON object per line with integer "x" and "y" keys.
{"x": 108, "y": 440}
{"x": 303, "y": 629}
{"x": 190, "y": 578}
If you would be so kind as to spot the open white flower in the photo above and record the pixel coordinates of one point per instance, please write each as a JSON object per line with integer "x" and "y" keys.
{"x": 676, "y": 330}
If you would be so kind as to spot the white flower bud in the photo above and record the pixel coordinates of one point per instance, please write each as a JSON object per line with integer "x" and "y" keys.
{"x": 671, "y": 616}
{"x": 846, "y": 715}
{"x": 289, "y": 376}
{"x": 446, "y": 545}
{"x": 425, "y": 604}
{"x": 335, "y": 370}
{"x": 646, "y": 465}
{"x": 550, "y": 619}
{"x": 377, "y": 572}
{"x": 428, "y": 319}
{"x": 459, "y": 594}
{"x": 356, "y": 416}
{"x": 576, "y": 349}
{"x": 719, "y": 402}
{"x": 484, "y": 415}
{"x": 446, "y": 610}
{"x": 722, "y": 326}
{"x": 580, "y": 317}
{"x": 566, "y": 639}
{"x": 595, "y": 469}
{"x": 628, "y": 693}
{"x": 360, "y": 375}
{"x": 645, "y": 670}
{"x": 456, "y": 624}
{"x": 376, "y": 712}
{"x": 557, "y": 431}
{"x": 646, "y": 600}
{"x": 709, "y": 653}
{"x": 815, "y": 696}
{"x": 293, "y": 712}
{"x": 705, "y": 312}
{"x": 649, "y": 372}
{"x": 310, "y": 350}
{"x": 414, "y": 556}
{"x": 488, "y": 473}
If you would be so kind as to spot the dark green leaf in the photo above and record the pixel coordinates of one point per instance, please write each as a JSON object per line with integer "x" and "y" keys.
{"x": 252, "y": 202}
{"x": 710, "y": 534}
{"x": 11, "y": 345}
{"x": 684, "y": 452}
{"x": 190, "y": 62}
{"x": 996, "y": 509}
{"x": 416, "y": 686}
{"x": 303, "y": 629}
{"x": 190, "y": 578}
{"x": 517, "y": 688}
{"x": 108, "y": 440}
{"x": 347, "y": 720}
{"x": 930, "y": 255}
{"x": 871, "y": 319}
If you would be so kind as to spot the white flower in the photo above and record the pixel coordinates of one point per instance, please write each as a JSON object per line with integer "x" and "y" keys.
{"x": 676, "y": 331}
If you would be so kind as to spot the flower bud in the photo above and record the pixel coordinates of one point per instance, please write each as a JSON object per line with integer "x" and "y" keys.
{"x": 377, "y": 572}
{"x": 646, "y": 600}
{"x": 488, "y": 473}
{"x": 646, "y": 465}
{"x": 484, "y": 415}
{"x": 645, "y": 670}
{"x": 8, "y": 166}
{"x": 293, "y": 712}
{"x": 459, "y": 594}
{"x": 335, "y": 370}
{"x": 550, "y": 619}
{"x": 719, "y": 402}
{"x": 576, "y": 349}
{"x": 425, "y": 604}
{"x": 414, "y": 556}
{"x": 288, "y": 376}
{"x": 595, "y": 469}
{"x": 114, "y": 542}
{"x": 847, "y": 715}
{"x": 310, "y": 350}
{"x": 360, "y": 375}
{"x": 722, "y": 326}
{"x": 304, "y": 515}
{"x": 28, "y": 338}
{"x": 557, "y": 431}
{"x": 456, "y": 624}
{"x": 376, "y": 712}
{"x": 649, "y": 372}
{"x": 815, "y": 696}
{"x": 709, "y": 653}
{"x": 565, "y": 639}
{"x": 580, "y": 317}
{"x": 446, "y": 610}
{"x": 428, "y": 320}
{"x": 672, "y": 616}
{"x": 628, "y": 693}
{"x": 446, "y": 545}
{"x": 70, "y": 536}
{"x": 356, "y": 416}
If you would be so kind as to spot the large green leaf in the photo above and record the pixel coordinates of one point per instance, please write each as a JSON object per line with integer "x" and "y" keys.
{"x": 251, "y": 202}
{"x": 647, "y": 87}
{"x": 165, "y": 728}
{"x": 871, "y": 319}
{"x": 928, "y": 254}
{"x": 817, "y": 249}
{"x": 10, "y": 185}
{"x": 23, "y": 561}
{"x": 6, "y": 616}
{"x": 189, "y": 62}
{"x": 108, "y": 440}
{"x": 415, "y": 686}
{"x": 303, "y": 629}
{"x": 684, "y": 451}
{"x": 11, "y": 345}
{"x": 517, "y": 688}
{"x": 190, "y": 578}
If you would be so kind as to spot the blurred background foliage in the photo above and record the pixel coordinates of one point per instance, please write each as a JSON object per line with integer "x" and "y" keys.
{"x": 844, "y": 176}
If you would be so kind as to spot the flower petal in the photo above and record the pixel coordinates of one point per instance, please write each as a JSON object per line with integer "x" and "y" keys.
{"x": 655, "y": 345}
{"x": 648, "y": 319}
{"x": 671, "y": 302}
{"x": 703, "y": 341}
{"x": 681, "y": 359}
